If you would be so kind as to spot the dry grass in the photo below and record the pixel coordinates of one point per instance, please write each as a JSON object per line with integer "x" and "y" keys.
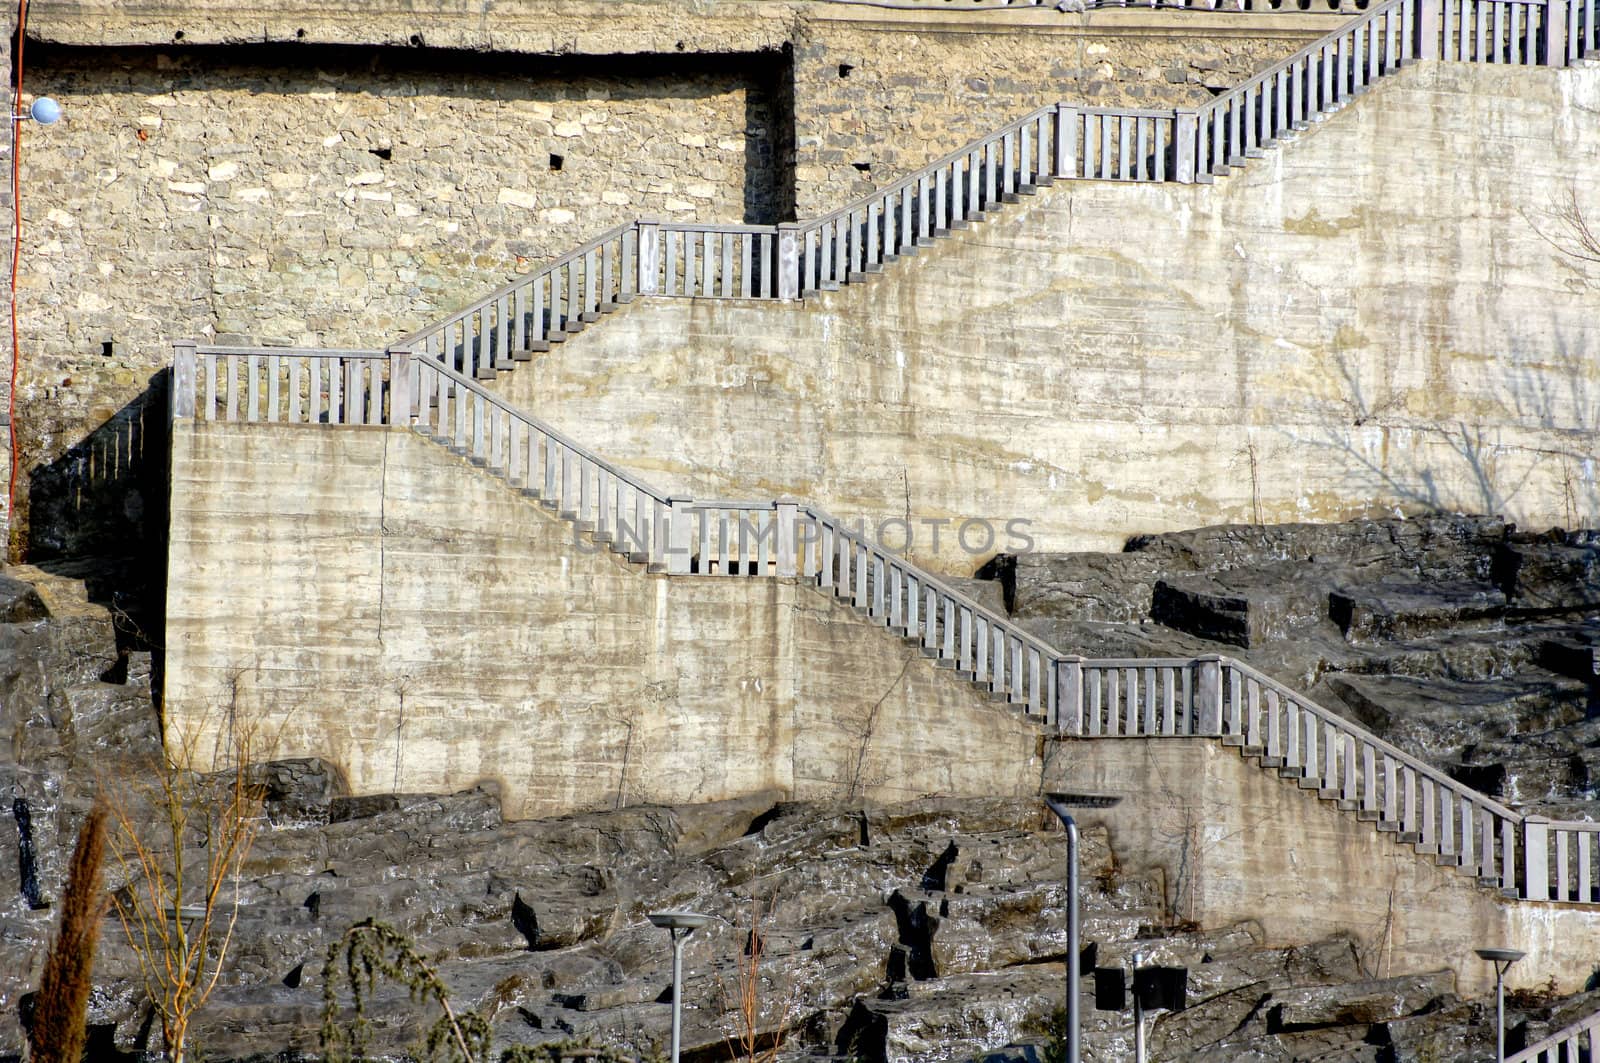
{"x": 59, "y": 1031}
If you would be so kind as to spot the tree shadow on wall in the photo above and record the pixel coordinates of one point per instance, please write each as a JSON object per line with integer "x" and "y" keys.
{"x": 1489, "y": 474}
{"x": 98, "y": 513}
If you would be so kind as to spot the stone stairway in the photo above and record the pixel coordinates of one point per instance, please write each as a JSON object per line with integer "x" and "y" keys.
{"x": 1152, "y": 698}
{"x": 790, "y": 261}
{"x": 433, "y": 381}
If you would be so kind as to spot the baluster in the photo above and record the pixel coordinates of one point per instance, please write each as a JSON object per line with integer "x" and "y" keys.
{"x": 1468, "y": 827}
{"x": 1274, "y": 751}
{"x": 1391, "y": 792}
{"x": 294, "y": 391}
{"x": 1408, "y": 800}
{"x": 1107, "y": 159}
{"x": 726, "y": 288}
{"x": 949, "y": 629}
{"x": 1585, "y": 876}
{"x": 1014, "y": 673}
{"x": 841, "y": 250}
{"x": 1428, "y": 827}
{"x": 1308, "y": 750}
{"x": 1091, "y": 681}
{"x": 1486, "y": 843}
{"x": 1169, "y": 701}
{"x": 707, "y": 283}
{"x": 989, "y": 164}
{"x": 746, "y": 255}
{"x": 1563, "y": 876}
{"x": 871, "y": 253}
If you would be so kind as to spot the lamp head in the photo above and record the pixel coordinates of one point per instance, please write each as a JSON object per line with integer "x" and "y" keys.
{"x": 45, "y": 111}
{"x": 679, "y": 920}
{"x": 1505, "y": 956}
{"x": 1061, "y": 803}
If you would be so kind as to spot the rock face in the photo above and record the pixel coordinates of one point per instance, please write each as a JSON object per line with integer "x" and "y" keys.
{"x": 1461, "y": 639}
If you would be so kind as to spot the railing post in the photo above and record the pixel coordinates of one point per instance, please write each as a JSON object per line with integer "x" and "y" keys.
{"x": 1069, "y": 695}
{"x": 183, "y": 384}
{"x": 1208, "y": 695}
{"x": 1536, "y": 858}
{"x": 649, "y": 257}
{"x": 789, "y": 260}
{"x": 788, "y": 512}
{"x": 1066, "y": 140}
{"x": 1428, "y": 46}
{"x": 1184, "y": 126}
{"x": 400, "y": 386}
{"x": 1555, "y": 34}
{"x": 679, "y": 535}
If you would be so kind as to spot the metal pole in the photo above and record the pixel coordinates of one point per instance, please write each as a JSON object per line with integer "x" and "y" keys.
{"x": 1073, "y": 974}
{"x": 1500, "y": 1013}
{"x": 677, "y": 991}
{"x": 1138, "y": 1016}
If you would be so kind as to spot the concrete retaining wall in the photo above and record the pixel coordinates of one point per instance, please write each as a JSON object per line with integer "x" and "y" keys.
{"x": 1371, "y": 319}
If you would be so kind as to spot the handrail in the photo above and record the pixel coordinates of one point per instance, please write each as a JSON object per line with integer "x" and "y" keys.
{"x": 413, "y": 339}
{"x": 1386, "y": 748}
{"x": 481, "y": 392}
{"x": 1563, "y": 1045}
{"x": 1305, "y": 53}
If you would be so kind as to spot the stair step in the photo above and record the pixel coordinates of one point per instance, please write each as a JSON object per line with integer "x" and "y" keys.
{"x": 1236, "y": 741}
{"x": 1409, "y": 837}
{"x": 1368, "y": 817}
{"x": 1044, "y": 180}
{"x": 606, "y": 306}
{"x": 522, "y": 356}
{"x": 534, "y": 347}
{"x": 589, "y": 317}
{"x": 1271, "y": 762}
{"x": 1388, "y": 826}
{"x": 484, "y": 372}
{"x": 1251, "y": 751}
{"x": 1010, "y": 197}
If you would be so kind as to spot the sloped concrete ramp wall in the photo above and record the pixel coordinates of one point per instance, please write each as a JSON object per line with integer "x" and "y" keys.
{"x": 363, "y": 595}
{"x": 1369, "y": 319}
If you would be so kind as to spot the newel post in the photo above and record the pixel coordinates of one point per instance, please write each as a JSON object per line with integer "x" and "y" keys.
{"x": 1066, "y": 141}
{"x": 789, "y": 260}
{"x": 788, "y": 513}
{"x": 649, "y": 257}
{"x": 1536, "y": 858}
{"x": 1185, "y": 126}
{"x": 400, "y": 386}
{"x": 679, "y": 533}
{"x": 1208, "y": 695}
{"x": 183, "y": 384}
{"x": 1555, "y": 34}
{"x": 1428, "y": 29}
{"x": 1069, "y": 695}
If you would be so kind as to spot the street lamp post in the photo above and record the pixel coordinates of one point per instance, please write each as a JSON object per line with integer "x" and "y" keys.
{"x": 1502, "y": 960}
{"x": 680, "y": 925}
{"x": 1059, "y": 803}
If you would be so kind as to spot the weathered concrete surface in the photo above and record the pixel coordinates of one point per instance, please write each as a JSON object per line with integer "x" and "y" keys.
{"x": 375, "y": 601}
{"x": 1237, "y": 842}
{"x": 1364, "y": 321}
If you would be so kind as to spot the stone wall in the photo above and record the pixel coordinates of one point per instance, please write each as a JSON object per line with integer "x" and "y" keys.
{"x": 338, "y": 196}
{"x": 1369, "y": 320}
{"x": 364, "y": 596}
{"x": 880, "y": 93}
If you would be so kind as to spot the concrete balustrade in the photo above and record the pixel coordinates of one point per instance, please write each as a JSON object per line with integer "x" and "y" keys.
{"x": 1570, "y": 1044}
{"x": 281, "y": 385}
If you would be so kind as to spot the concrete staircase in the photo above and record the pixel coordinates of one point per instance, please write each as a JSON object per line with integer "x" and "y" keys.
{"x": 433, "y": 381}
